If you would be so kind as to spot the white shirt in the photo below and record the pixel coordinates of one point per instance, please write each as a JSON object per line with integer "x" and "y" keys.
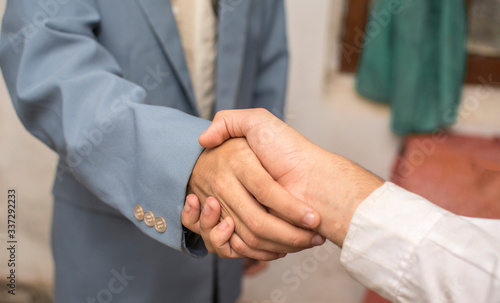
{"x": 410, "y": 250}
{"x": 197, "y": 24}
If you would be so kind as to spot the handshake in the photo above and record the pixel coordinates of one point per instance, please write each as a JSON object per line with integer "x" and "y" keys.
{"x": 261, "y": 190}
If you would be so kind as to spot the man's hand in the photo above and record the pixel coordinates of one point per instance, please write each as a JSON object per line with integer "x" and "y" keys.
{"x": 215, "y": 233}
{"x": 233, "y": 175}
{"x": 333, "y": 185}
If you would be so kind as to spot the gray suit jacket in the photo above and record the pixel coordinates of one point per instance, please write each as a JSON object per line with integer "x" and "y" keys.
{"x": 105, "y": 84}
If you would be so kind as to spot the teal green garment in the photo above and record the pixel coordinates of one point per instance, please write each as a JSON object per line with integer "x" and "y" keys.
{"x": 413, "y": 58}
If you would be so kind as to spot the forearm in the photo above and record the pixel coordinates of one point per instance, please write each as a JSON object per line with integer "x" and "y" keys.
{"x": 70, "y": 92}
{"x": 337, "y": 188}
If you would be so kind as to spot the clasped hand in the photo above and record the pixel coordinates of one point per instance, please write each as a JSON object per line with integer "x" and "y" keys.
{"x": 233, "y": 186}
{"x": 268, "y": 184}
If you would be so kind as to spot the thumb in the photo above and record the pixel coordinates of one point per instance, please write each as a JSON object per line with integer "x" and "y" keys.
{"x": 232, "y": 124}
{"x": 227, "y": 124}
{"x": 215, "y": 134}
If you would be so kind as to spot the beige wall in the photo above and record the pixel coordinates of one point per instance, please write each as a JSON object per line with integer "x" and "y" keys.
{"x": 331, "y": 114}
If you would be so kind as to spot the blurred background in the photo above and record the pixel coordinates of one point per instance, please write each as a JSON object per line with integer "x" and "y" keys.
{"x": 323, "y": 105}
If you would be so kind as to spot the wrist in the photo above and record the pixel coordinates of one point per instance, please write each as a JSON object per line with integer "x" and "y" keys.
{"x": 345, "y": 186}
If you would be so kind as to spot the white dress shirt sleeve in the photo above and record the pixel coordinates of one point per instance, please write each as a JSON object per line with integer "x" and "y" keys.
{"x": 409, "y": 250}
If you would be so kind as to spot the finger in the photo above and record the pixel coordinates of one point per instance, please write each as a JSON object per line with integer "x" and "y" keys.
{"x": 242, "y": 249}
{"x": 191, "y": 213}
{"x": 223, "y": 235}
{"x": 220, "y": 235}
{"x": 210, "y": 215}
{"x": 261, "y": 230}
{"x": 271, "y": 194}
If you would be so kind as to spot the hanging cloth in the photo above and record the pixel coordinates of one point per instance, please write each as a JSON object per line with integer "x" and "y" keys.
{"x": 414, "y": 58}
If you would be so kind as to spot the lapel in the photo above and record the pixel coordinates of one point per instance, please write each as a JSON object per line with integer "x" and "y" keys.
{"x": 233, "y": 23}
{"x": 162, "y": 21}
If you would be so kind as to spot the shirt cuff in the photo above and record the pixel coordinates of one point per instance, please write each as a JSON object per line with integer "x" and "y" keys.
{"x": 383, "y": 234}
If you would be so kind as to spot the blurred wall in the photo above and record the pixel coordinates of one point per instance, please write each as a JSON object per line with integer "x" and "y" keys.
{"x": 333, "y": 115}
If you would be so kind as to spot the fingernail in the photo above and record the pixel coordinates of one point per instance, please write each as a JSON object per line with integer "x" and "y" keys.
{"x": 223, "y": 225}
{"x": 318, "y": 240}
{"x": 309, "y": 219}
{"x": 207, "y": 210}
{"x": 211, "y": 201}
{"x": 187, "y": 207}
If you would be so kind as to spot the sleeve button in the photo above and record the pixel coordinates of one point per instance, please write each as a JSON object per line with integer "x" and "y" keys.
{"x": 138, "y": 212}
{"x": 149, "y": 218}
{"x": 160, "y": 225}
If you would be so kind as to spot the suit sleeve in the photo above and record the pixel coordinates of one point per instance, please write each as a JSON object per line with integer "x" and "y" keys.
{"x": 272, "y": 74}
{"x": 69, "y": 92}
